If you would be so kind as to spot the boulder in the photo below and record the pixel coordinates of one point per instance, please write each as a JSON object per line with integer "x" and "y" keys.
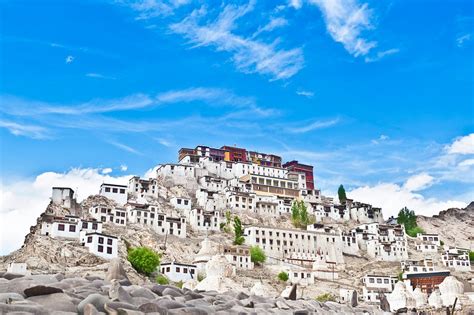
{"x": 41, "y": 290}
{"x": 450, "y": 289}
{"x": 90, "y": 309}
{"x": 97, "y": 300}
{"x": 56, "y": 301}
{"x": 112, "y": 308}
{"x": 23, "y": 309}
{"x": 435, "y": 299}
{"x": 10, "y": 297}
{"x": 116, "y": 271}
{"x": 258, "y": 289}
{"x": 143, "y": 292}
{"x": 400, "y": 297}
{"x": 151, "y": 308}
{"x": 117, "y": 293}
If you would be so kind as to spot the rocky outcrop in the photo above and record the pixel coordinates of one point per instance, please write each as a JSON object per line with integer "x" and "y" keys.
{"x": 450, "y": 289}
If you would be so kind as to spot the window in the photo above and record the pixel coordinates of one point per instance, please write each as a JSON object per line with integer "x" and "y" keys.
{"x": 379, "y": 280}
{"x": 101, "y": 240}
{"x": 178, "y": 269}
{"x": 371, "y": 280}
{"x": 100, "y": 248}
{"x": 109, "y": 241}
{"x": 84, "y": 225}
{"x": 385, "y": 281}
{"x": 114, "y": 190}
{"x": 109, "y": 250}
{"x": 185, "y": 270}
{"x": 60, "y": 227}
{"x": 72, "y": 228}
{"x": 89, "y": 239}
{"x": 107, "y": 189}
{"x": 94, "y": 226}
{"x": 122, "y": 191}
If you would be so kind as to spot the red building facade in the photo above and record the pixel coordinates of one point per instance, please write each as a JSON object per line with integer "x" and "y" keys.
{"x": 295, "y": 166}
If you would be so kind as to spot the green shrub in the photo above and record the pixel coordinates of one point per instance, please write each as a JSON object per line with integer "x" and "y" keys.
{"x": 161, "y": 279}
{"x": 143, "y": 259}
{"x": 179, "y": 284}
{"x": 415, "y": 230}
{"x": 400, "y": 276}
{"x": 326, "y": 297}
{"x": 283, "y": 276}
{"x": 471, "y": 255}
{"x": 239, "y": 232}
{"x": 257, "y": 255}
{"x": 200, "y": 277}
{"x": 441, "y": 242}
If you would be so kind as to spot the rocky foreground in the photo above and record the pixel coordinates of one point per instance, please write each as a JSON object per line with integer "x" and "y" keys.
{"x": 62, "y": 294}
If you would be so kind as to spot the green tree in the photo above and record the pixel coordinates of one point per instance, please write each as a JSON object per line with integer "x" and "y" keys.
{"x": 300, "y": 216}
{"x": 341, "y": 192}
{"x": 228, "y": 217}
{"x": 295, "y": 211}
{"x": 143, "y": 259}
{"x": 238, "y": 231}
{"x": 283, "y": 276}
{"x": 471, "y": 255}
{"x": 407, "y": 217}
{"x": 257, "y": 255}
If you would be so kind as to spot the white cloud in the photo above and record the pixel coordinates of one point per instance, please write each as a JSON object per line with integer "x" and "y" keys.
{"x": 391, "y": 198}
{"x": 380, "y": 139}
{"x": 345, "y": 22}
{"x": 213, "y": 96}
{"x": 274, "y": 23}
{"x": 248, "y": 55}
{"x": 382, "y": 54}
{"x": 467, "y": 162}
{"x": 30, "y": 131}
{"x": 297, "y": 4}
{"x": 123, "y": 168}
{"x": 125, "y": 147}
{"x": 308, "y": 94}
{"x": 69, "y": 59}
{"x": 148, "y": 9}
{"x": 99, "y": 76}
{"x": 462, "y": 39}
{"x": 106, "y": 170}
{"x": 320, "y": 124}
{"x": 164, "y": 142}
{"x": 418, "y": 182}
{"x": 151, "y": 173}
{"x": 24, "y": 200}
{"x": 462, "y": 145}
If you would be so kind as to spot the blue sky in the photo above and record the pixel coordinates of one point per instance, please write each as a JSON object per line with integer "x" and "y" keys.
{"x": 374, "y": 94}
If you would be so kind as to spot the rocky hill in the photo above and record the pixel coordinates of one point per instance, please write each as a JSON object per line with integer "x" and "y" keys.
{"x": 455, "y": 226}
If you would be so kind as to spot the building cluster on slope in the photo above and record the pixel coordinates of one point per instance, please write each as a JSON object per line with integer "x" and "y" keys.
{"x": 240, "y": 181}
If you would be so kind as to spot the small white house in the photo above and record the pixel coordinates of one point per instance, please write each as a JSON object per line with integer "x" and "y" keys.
{"x": 458, "y": 262}
{"x": 17, "y": 268}
{"x": 432, "y": 239}
{"x": 181, "y": 203}
{"x": 427, "y": 248}
{"x": 178, "y": 272}
{"x": 65, "y": 227}
{"x": 105, "y": 246}
{"x": 117, "y": 193}
{"x": 376, "y": 284}
{"x": 301, "y": 276}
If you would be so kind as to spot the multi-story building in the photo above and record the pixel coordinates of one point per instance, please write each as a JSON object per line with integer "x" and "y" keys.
{"x": 458, "y": 261}
{"x": 68, "y": 226}
{"x": 238, "y": 256}
{"x": 104, "y": 213}
{"x": 180, "y": 203}
{"x": 422, "y": 274}
{"x": 376, "y": 284}
{"x": 141, "y": 188}
{"x": 279, "y": 243}
{"x": 203, "y": 220}
{"x": 427, "y": 243}
{"x": 117, "y": 193}
{"x": 265, "y": 185}
{"x": 64, "y": 196}
{"x": 295, "y": 166}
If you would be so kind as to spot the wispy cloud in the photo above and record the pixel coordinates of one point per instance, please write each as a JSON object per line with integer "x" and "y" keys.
{"x": 346, "y": 20}
{"x": 30, "y": 131}
{"x": 164, "y": 142}
{"x": 382, "y": 54}
{"x": 462, "y": 39}
{"x": 319, "y": 124}
{"x": 248, "y": 55}
{"x": 124, "y": 147}
{"x": 213, "y": 96}
{"x": 462, "y": 145}
{"x": 274, "y": 23}
{"x": 69, "y": 59}
{"x": 308, "y": 94}
{"x": 148, "y": 9}
{"x": 99, "y": 76}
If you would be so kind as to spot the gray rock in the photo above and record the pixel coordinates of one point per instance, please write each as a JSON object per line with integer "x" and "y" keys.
{"x": 282, "y": 305}
{"x": 6, "y": 297}
{"x": 41, "y": 290}
{"x": 292, "y": 295}
{"x": 241, "y": 296}
{"x": 174, "y": 292}
{"x": 56, "y": 301}
{"x": 113, "y": 307}
{"x": 137, "y": 301}
{"x": 152, "y": 308}
{"x": 89, "y": 309}
{"x": 191, "y": 295}
{"x": 384, "y": 305}
{"x": 169, "y": 304}
{"x": 191, "y": 311}
{"x": 93, "y": 278}
{"x": 23, "y": 308}
{"x": 143, "y": 292}
{"x": 95, "y": 299}
{"x": 122, "y": 311}
{"x": 10, "y": 276}
{"x": 76, "y": 282}
{"x": 117, "y": 293}
{"x": 116, "y": 271}
{"x": 354, "y": 299}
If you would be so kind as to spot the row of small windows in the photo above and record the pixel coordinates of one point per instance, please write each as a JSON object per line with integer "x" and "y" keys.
{"x": 115, "y": 190}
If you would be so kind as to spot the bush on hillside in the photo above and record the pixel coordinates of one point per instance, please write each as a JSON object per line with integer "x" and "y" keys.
{"x": 161, "y": 279}
{"x": 144, "y": 260}
{"x": 326, "y": 297}
{"x": 257, "y": 255}
{"x": 283, "y": 276}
